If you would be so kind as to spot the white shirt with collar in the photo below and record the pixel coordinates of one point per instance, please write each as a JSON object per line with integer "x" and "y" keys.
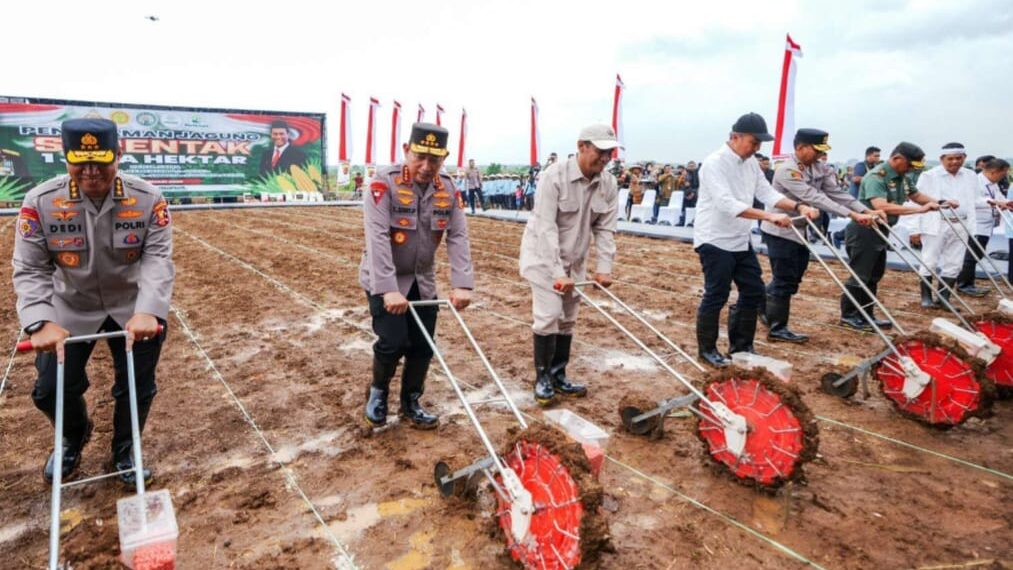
{"x": 279, "y": 150}
{"x": 728, "y": 185}
{"x": 983, "y": 213}
{"x": 939, "y": 184}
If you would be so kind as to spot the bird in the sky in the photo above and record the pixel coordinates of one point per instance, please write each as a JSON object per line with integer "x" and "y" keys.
{"x": 152, "y": 18}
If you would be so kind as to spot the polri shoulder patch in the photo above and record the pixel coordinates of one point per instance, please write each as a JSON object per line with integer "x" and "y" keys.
{"x": 378, "y": 188}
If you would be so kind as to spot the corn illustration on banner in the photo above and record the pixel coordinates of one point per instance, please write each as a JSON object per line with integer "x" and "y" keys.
{"x": 185, "y": 151}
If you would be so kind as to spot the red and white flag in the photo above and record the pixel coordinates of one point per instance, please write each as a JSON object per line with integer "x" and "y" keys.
{"x": 422, "y": 114}
{"x": 345, "y": 134}
{"x": 439, "y": 115}
{"x": 617, "y": 117}
{"x": 464, "y": 135}
{"x": 395, "y": 134}
{"x": 374, "y": 106}
{"x": 536, "y": 139}
{"x": 784, "y": 129}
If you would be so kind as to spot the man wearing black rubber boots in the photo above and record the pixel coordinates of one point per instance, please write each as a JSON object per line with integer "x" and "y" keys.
{"x": 408, "y": 209}
{"x": 93, "y": 253}
{"x": 802, "y": 177}
{"x": 575, "y": 200}
{"x": 885, "y": 188}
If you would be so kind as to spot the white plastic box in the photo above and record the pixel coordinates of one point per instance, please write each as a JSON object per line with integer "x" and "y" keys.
{"x": 778, "y": 368}
{"x": 147, "y": 523}
{"x": 577, "y": 427}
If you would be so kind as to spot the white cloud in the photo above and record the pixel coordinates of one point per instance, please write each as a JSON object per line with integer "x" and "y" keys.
{"x": 873, "y": 73}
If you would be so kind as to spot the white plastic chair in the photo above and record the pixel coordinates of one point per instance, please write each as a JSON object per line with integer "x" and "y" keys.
{"x": 644, "y": 211}
{"x": 690, "y": 216}
{"x": 624, "y": 194}
{"x": 672, "y": 213}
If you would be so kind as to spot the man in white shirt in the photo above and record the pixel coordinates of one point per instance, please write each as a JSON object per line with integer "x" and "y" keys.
{"x": 986, "y": 218}
{"x": 730, "y": 179}
{"x": 944, "y": 243}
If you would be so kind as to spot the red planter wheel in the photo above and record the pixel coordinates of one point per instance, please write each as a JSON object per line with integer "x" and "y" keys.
{"x": 782, "y": 434}
{"x": 1001, "y": 333}
{"x": 553, "y": 540}
{"x": 955, "y": 394}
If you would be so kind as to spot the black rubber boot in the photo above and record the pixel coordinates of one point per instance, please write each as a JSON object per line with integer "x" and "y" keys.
{"x": 881, "y": 323}
{"x": 379, "y": 389}
{"x": 413, "y": 385}
{"x": 943, "y": 292}
{"x": 545, "y": 350}
{"x": 741, "y": 329}
{"x": 77, "y": 430}
{"x": 928, "y": 302}
{"x": 123, "y": 447}
{"x": 560, "y": 358}
{"x": 707, "y": 340}
{"x": 778, "y": 311}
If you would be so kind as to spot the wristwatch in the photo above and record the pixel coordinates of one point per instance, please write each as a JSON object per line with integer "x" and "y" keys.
{"x": 35, "y": 327}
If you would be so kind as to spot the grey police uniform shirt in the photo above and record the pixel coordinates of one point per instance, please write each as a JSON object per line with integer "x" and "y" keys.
{"x": 814, "y": 186}
{"x": 76, "y": 264}
{"x": 568, "y": 209}
{"x": 404, "y": 225}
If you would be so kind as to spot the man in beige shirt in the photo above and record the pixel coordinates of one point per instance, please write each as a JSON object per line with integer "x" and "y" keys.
{"x": 574, "y": 199}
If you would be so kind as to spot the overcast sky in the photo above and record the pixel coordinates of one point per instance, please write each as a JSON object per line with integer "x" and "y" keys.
{"x": 872, "y": 72}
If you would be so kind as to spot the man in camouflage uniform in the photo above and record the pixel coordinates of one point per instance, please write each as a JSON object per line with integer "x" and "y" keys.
{"x": 408, "y": 209}
{"x": 94, "y": 253}
{"x": 885, "y": 188}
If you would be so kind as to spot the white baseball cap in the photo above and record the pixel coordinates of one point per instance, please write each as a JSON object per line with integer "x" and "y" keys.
{"x": 600, "y": 135}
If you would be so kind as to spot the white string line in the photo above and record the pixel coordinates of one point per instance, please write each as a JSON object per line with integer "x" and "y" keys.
{"x": 793, "y": 351}
{"x": 820, "y": 301}
{"x": 727, "y": 518}
{"x": 14, "y": 351}
{"x": 10, "y": 362}
{"x": 695, "y": 502}
{"x": 290, "y": 477}
{"x": 324, "y": 254}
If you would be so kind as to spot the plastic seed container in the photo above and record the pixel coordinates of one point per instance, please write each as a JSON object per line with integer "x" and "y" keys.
{"x": 778, "y": 368}
{"x": 577, "y": 427}
{"x": 148, "y": 531}
{"x": 591, "y": 437}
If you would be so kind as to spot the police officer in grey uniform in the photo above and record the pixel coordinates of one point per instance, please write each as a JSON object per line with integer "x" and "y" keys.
{"x": 807, "y": 180}
{"x": 574, "y": 200}
{"x": 93, "y": 253}
{"x": 408, "y": 210}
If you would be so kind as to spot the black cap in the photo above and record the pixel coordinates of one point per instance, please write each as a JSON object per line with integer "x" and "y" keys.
{"x": 912, "y": 152}
{"x": 428, "y": 138}
{"x": 817, "y": 138}
{"x": 752, "y": 124}
{"x": 90, "y": 140}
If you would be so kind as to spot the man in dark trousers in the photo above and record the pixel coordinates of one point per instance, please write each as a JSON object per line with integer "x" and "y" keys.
{"x": 408, "y": 209}
{"x": 93, "y": 253}
{"x": 804, "y": 178}
{"x": 730, "y": 178}
{"x": 282, "y": 155}
{"x": 885, "y": 188}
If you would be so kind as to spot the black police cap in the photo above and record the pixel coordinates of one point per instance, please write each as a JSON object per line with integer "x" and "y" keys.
{"x": 428, "y": 138}
{"x": 90, "y": 140}
{"x": 817, "y": 138}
